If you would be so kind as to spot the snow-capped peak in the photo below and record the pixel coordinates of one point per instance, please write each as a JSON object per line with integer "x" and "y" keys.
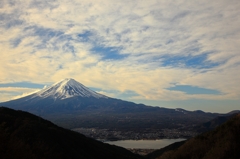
{"x": 181, "y": 110}
{"x": 67, "y": 88}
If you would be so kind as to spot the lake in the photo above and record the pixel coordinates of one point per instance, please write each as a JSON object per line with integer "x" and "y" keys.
{"x": 144, "y": 144}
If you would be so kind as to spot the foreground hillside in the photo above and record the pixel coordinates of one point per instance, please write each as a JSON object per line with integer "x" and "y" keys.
{"x": 212, "y": 124}
{"x": 23, "y": 135}
{"x": 221, "y": 143}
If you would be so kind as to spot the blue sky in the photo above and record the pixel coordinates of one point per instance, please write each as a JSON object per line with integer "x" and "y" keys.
{"x": 175, "y": 54}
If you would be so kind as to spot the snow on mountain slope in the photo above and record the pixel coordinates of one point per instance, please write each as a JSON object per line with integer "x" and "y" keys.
{"x": 67, "y": 88}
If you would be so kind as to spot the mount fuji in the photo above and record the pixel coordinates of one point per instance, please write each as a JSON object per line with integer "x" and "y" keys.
{"x": 70, "y": 104}
{"x": 69, "y": 96}
{"x": 67, "y": 88}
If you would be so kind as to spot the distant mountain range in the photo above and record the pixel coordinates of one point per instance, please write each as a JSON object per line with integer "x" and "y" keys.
{"x": 26, "y": 136}
{"x": 70, "y": 104}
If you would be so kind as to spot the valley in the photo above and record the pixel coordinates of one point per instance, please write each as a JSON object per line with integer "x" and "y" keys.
{"x": 25, "y": 135}
{"x": 113, "y": 135}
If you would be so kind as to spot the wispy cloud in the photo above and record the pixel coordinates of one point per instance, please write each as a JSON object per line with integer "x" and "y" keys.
{"x": 8, "y": 93}
{"x": 17, "y": 89}
{"x": 140, "y": 46}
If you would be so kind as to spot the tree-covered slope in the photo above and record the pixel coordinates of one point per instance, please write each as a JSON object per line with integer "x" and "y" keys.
{"x": 23, "y": 135}
{"x": 220, "y": 143}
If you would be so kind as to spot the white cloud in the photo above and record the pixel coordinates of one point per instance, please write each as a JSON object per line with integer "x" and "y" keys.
{"x": 24, "y": 95}
{"x": 17, "y": 89}
{"x": 8, "y": 93}
{"x": 46, "y": 41}
{"x": 5, "y": 96}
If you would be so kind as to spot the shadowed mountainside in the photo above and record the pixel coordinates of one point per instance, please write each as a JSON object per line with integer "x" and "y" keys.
{"x": 212, "y": 124}
{"x": 161, "y": 151}
{"x": 221, "y": 143}
{"x": 23, "y": 135}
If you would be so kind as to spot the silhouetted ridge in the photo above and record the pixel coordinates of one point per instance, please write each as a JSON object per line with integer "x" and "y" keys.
{"x": 212, "y": 124}
{"x": 220, "y": 143}
{"x": 23, "y": 135}
{"x": 161, "y": 151}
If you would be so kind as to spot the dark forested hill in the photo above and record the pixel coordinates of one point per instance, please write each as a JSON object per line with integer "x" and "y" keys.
{"x": 23, "y": 135}
{"x": 221, "y": 143}
{"x": 212, "y": 124}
